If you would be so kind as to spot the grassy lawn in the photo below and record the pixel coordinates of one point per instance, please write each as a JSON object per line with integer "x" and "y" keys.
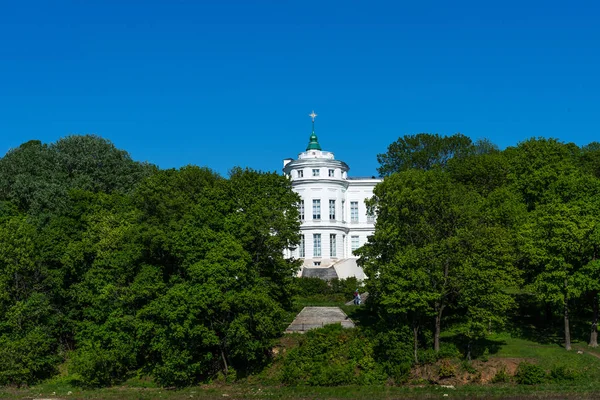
{"x": 549, "y": 355}
{"x": 239, "y": 391}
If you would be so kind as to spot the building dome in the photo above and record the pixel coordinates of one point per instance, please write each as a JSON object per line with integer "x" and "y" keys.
{"x": 313, "y": 143}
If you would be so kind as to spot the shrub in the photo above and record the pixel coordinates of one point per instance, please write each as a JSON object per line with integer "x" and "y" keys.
{"x": 427, "y": 356}
{"x": 317, "y": 286}
{"x": 344, "y": 287}
{"x": 393, "y": 350}
{"x": 101, "y": 367}
{"x": 530, "y": 374}
{"x": 312, "y": 286}
{"x": 446, "y": 370}
{"x": 28, "y": 359}
{"x": 399, "y": 372}
{"x": 501, "y": 376}
{"x": 448, "y": 350}
{"x": 561, "y": 373}
{"x": 467, "y": 366}
{"x": 332, "y": 356}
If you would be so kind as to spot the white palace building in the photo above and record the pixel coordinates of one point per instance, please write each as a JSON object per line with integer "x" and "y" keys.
{"x": 332, "y": 208}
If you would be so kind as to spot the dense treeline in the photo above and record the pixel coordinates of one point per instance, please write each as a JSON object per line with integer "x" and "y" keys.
{"x": 111, "y": 268}
{"x": 467, "y": 234}
{"x": 118, "y": 267}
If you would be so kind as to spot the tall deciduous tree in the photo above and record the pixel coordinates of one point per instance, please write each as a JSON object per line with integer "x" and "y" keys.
{"x": 423, "y": 151}
{"x": 37, "y": 177}
{"x": 560, "y": 240}
{"x": 425, "y": 253}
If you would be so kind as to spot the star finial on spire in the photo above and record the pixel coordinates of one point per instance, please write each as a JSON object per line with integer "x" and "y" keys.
{"x": 313, "y": 144}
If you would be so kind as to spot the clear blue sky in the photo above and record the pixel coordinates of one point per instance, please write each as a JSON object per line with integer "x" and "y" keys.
{"x": 223, "y": 83}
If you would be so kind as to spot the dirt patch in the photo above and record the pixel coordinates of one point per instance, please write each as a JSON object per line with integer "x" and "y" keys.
{"x": 447, "y": 372}
{"x": 587, "y": 351}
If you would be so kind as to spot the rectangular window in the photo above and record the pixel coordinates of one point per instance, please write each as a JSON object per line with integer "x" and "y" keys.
{"x": 331, "y": 209}
{"x": 316, "y": 209}
{"x": 316, "y": 172}
{"x": 370, "y": 218}
{"x": 354, "y": 211}
{"x": 332, "y": 245}
{"x": 301, "y": 210}
{"x": 317, "y": 245}
{"x": 332, "y": 173}
{"x": 355, "y": 243}
{"x": 300, "y": 173}
{"x": 301, "y": 250}
{"x": 343, "y": 210}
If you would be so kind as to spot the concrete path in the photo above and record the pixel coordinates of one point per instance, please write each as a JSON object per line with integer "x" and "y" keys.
{"x": 317, "y": 317}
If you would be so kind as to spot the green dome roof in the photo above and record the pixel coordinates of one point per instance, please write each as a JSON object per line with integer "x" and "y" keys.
{"x": 313, "y": 143}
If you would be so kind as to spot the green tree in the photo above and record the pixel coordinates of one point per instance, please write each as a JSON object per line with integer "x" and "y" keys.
{"x": 588, "y": 278}
{"x": 589, "y": 158}
{"x": 27, "y": 322}
{"x": 435, "y": 246}
{"x": 483, "y": 173}
{"x": 560, "y": 240}
{"x": 536, "y": 164}
{"x": 486, "y": 274}
{"x": 423, "y": 151}
{"x": 37, "y": 177}
{"x": 219, "y": 244}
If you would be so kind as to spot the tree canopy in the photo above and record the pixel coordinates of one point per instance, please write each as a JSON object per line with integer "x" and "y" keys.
{"x": 126, "y": 268}
{"x": 462, "y": 227}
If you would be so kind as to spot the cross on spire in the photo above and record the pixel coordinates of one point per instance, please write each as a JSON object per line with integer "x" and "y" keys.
{"x": 313, "y": 144}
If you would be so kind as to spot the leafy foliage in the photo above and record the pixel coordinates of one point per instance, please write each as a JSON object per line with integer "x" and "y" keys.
{"x": 123, "y": 268}
{"x": 332, "y": 356}
{"x": 530, "y": 374}
{"x": 116, "y": 268}
{"x": 562, "y": 373}
{"x": 37, "y": 177}
{"x": 316, "y": 286}
{"x": 424, "y": 151}
{"x": 501, "y": 376}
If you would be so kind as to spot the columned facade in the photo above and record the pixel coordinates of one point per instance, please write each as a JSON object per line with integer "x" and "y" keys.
{"x": 332, "y": 209}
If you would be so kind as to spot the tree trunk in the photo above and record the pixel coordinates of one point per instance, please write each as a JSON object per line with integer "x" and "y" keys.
{"x": 226, "y": 369}
{"x": 567, "y": 330}
{"x": 469, "y": 350}
{"x": 438, "y": 327}
{"x": 416, "y": 341}
{"x": 594, "y": 333}
{"x": 439, "y": 309}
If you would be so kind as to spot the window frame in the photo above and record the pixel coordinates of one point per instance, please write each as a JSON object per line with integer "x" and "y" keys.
{"x": 354, "y": 211}
{"x": 317, "y": 251}
{"x": 301, "y": 210}
{"x": 317, "y": 209}
{"x": 352, "y": 248}
{"x": 302, "y": 247}
{"x": 332, "y": 245}
{"x": 332, "y": 214}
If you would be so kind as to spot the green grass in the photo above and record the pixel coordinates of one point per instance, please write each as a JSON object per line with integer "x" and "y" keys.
{"x": 550, "y": 355}
{"x": 241, "y": 391}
